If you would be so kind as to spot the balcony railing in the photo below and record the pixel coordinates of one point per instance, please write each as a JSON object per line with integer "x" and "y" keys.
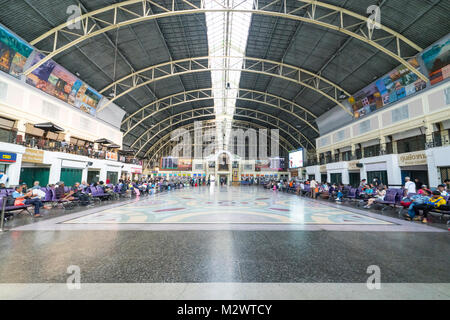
{"x": 223, "y": 167}
{"x": 61, "y": 146}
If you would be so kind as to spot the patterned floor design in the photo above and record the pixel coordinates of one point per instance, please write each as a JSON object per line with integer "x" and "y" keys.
{"x": 226, "y": 205}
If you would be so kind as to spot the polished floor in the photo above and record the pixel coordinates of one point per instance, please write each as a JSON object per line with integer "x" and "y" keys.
{"x": 225, "y": 205}
{"x": 242, "y": 242}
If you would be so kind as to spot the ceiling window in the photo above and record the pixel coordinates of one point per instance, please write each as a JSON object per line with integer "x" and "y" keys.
{"x": 227, "y": 40}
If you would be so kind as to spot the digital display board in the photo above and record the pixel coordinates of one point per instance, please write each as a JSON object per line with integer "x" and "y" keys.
{"x": 296, "y": 159}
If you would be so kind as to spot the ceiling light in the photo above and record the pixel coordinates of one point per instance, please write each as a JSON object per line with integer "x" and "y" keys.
{"x": 342, "y": 96}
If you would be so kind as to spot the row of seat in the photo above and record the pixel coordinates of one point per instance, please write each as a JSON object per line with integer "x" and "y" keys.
{"x": 392, "y": 199}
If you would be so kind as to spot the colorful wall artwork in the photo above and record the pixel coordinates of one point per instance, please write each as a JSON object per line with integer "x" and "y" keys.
{"x": 13, "y": 53}
{"x": 60, "y": 83}
{"x": 437, "y": 61}
{"x": 396, "y": 85}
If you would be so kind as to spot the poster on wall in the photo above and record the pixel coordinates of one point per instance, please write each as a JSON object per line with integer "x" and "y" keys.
{"x": 396, "y": 85}
{"x": 13, "y": 53}
{"x": 437, "y": 61}
{"x": 60, "y": 83}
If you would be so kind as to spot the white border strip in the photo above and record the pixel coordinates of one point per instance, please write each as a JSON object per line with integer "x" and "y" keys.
{"x": 226, "y": 291}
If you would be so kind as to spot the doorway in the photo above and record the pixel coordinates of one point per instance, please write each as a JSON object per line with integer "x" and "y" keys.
{"x": 93, "y": 177}
{"x": 355, "y": 179}
{"x": 223, "y": 178}
{"x": 71, "y": 176}
{"x": 336, "y": 178}
{"x": 30, "y": 175}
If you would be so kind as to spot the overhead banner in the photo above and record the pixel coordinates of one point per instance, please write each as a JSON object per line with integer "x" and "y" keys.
{"x": 60, "y": 83}
{"x": 14, "y": 53}
{"x": 396, "y": 85}
{"x": 437, "y": 61}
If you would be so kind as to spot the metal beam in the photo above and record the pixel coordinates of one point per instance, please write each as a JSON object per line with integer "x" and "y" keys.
{"x": 200, "y": 112}
{"x": 109, "y": 16}
{"x": 283, "y": 105}
{"x": 266, "y": 67}
{"x": 162, "y": 143}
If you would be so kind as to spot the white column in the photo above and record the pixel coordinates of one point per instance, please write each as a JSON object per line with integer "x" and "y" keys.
{"x": 84, "y": 174}
{"x": 345, "y": 177}
{"x": 13, "y": 171}
{"x": 55, "y": 171}
{"x": 434, "y": 177}
{"x": 393, "y": 170}
{"x": 103, "y": 173}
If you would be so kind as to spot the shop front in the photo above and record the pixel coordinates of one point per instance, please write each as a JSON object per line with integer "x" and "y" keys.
{"x": 136, "y": 173}
{"x": 414, "y": 165}
{"x": 385, "y": 168}
{"x": 33, "y": 168}
{"x": 323, "y": 173}
{"x": 354, "y": 173}
{"x": 6, "y": 160}
{"x": 93, "y": 176}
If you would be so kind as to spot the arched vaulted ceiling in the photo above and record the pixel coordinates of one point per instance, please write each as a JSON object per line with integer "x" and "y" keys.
{"x": 299, "y": 59}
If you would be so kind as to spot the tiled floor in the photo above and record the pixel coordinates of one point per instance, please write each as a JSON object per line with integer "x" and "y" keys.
{"x": 245, "y": 205}
{"x": 203, "y": 241}
{"x": 226, "y": 208}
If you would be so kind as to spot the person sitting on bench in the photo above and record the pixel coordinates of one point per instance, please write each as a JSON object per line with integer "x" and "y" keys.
{"x": 61, "y": 194}
{"x": 25, "y": 199}
{"x": 78, "y": 192}
{"x": 435, "y": 202}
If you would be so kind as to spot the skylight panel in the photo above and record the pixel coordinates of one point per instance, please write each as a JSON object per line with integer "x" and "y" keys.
{"x": 227, "y": 40}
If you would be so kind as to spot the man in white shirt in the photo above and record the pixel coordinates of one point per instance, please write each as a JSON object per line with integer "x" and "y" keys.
{"x": 4, "y": 178}
{"x": 409, "y": 185}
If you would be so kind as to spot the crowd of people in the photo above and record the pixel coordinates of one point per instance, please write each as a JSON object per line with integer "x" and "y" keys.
{"x": 54, "y": 195}
{"x": 416, "y": 197}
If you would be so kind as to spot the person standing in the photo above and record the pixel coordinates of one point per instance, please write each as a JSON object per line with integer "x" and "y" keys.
{"x": 410, "y": 186}
{"x": 313, "y": 185}
{"x": 4, "y": 178}
{"x": 418, "y": 183}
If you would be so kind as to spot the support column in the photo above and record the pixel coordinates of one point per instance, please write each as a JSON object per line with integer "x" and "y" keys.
{"x": 444, "y": 135}
{"x": 429, "y": 134}
{"x": 394, "y": 147}
{"x": 84, "y": 174}
{"x": 383, "y": 148}
{"x": 55, "y": 171}
{"x": 67, "y": 137}
{"x": 21, "y": 128}
{"x": 332, "y": 153}
{"x": 353, "y": 155}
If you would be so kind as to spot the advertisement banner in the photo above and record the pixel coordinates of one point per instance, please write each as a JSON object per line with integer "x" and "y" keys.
{"x": 185, "y": 164}
{"x": 437, "y": 61}
{"x": 60, "y": 83}
{"x": 396, "y": 85}
{"x": 13, "y": 53}
{"x": 296, "y": 159}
